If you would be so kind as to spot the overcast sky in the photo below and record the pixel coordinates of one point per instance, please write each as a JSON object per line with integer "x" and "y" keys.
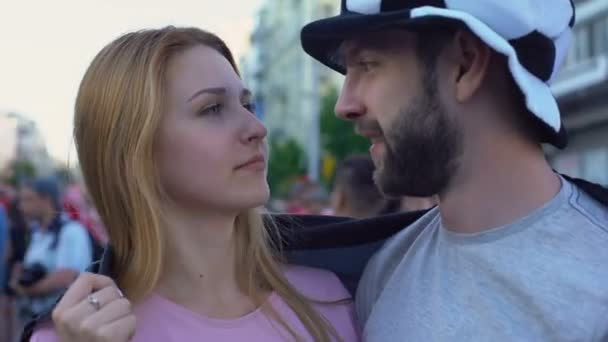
{"x": 47, "y": 45}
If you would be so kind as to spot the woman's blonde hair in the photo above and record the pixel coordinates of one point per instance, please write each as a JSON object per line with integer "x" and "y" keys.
{"x": 118, "y": 109}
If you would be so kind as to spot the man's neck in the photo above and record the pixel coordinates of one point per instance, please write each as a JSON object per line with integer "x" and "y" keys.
{"x": 497, "y": 186}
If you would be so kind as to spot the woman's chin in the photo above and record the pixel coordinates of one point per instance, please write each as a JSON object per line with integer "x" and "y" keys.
{"x": 254, "y": 198}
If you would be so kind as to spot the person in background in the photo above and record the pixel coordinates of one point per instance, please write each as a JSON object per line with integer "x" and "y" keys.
{"x": 4, "y": 256}
{"x": 5, "y": 195}
{"x": 19, "y": 237}
{"x": 4, "y": 244}
{"x": 295, "y": 201}
{"x": 355, "y": 194}
{"x": 314, "y": 199}
{"x": 414, "y": 203}
{"x": 58, "y": 250}
{"x": 77, "y": 208}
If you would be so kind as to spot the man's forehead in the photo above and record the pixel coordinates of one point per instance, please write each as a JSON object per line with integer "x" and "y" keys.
{"x": 380, "y": 41}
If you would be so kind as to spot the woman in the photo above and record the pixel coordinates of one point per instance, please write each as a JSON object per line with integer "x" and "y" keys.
{"x": 175, "y": 161}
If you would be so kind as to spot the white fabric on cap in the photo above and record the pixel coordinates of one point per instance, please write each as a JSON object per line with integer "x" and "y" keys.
{"x": 539, "y": 99}
{"x": 364, "y": 6}
{"x": 553, "y": 16}
{"x": 513, "y": 19}
{"x": 509, "y": 18}
{"x": 562, "y": 44}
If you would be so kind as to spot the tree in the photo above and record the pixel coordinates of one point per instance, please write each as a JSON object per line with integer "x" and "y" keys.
{"x": 287, "y": 162}
{"x": 338, "y": 137}
{"x": 19, "y": 171}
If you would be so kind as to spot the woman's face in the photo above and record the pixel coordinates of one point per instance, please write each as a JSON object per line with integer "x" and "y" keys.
{"x": 211, "y": 148}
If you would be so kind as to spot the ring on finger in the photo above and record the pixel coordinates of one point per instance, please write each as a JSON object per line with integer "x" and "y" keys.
{"x": 94, "y": 302}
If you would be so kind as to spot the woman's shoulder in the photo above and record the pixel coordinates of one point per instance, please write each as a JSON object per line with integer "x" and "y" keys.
{"x": 45, "y": 333}
{"x": 324, "y": 286}
{"x": 316, "y": 283}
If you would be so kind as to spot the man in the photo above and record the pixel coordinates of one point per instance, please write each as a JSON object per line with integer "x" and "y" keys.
{"x": 459, "y": 88}
{"x": 58, "y": 251}
{"x": 355, "y": 194}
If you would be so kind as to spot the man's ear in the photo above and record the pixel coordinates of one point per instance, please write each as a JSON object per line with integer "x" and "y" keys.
{"x": 469, "y": 63}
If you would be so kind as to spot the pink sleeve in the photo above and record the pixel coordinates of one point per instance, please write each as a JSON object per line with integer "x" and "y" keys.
{"x": 323, "y": 285}
{"x": 45, "y": 334}
{"x": 315, "y": 283}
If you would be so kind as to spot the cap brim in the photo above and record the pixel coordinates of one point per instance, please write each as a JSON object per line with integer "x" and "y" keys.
{"x": 321, "y": 39}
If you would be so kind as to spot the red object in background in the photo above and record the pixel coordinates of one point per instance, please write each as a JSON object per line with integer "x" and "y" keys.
{"x": 5, "y": 197}
{"x": 75, "y": 206}
{"x": 4, "y": 202}
{"x": 297, "y": 210}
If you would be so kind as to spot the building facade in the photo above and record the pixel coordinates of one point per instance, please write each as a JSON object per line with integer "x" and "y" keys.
{"x": 288, "y": 83}
{"x": 582, "y": 92}
{"x": 22, "y": 141}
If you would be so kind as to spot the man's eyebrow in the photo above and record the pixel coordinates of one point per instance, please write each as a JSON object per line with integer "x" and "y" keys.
{"x": 246, "y": 93}
{"x": 347, "y": 52}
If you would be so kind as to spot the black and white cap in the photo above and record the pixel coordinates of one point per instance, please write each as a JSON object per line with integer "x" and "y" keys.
{"x": 534, "y": 34}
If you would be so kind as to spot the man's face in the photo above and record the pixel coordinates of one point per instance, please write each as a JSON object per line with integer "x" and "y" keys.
{"x": 394, "y": 99}
{"x": 30, "y": 203}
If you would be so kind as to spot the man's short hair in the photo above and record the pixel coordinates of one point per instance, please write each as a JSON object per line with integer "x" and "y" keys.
{"x": 355, "y": 177}
{"x": 47, "y": 188}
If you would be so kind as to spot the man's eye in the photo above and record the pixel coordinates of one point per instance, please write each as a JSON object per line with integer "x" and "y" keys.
{"x": 366, "y": 65}
{"x": 250, "y": 106}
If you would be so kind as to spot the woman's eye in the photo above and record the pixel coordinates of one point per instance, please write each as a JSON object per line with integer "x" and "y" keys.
{"x": 213, "y": 109}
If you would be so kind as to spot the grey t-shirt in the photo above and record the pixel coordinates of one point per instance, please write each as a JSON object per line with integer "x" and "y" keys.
{"x": 543, "y": 278}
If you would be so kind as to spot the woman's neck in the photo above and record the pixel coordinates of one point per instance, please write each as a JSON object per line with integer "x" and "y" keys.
{"x": 199, "y": 271}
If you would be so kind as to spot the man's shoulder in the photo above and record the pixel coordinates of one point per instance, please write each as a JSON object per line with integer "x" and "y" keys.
{"x": 398, "y": 245}
{"x": 386, "y": 259}
{"x": 587, "y": 211}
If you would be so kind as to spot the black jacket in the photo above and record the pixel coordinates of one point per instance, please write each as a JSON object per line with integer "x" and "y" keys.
{"x": 341, "y": 245}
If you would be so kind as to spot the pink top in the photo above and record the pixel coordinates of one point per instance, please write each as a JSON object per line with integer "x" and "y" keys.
{"x": 159, "y": 319}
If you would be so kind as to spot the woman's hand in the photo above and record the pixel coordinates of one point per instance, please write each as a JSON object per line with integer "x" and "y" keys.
{"x": 94, "y": 310}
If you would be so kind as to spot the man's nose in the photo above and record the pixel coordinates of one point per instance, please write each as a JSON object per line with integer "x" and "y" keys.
{"x": 349, "y": 106}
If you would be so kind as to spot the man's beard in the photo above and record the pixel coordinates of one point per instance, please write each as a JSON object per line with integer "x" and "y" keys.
{"x": 422, "y": 148}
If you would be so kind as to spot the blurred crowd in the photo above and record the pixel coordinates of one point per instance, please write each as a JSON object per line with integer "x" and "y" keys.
{"x": 49, "y": 232}
{"x": 354, "y": 194}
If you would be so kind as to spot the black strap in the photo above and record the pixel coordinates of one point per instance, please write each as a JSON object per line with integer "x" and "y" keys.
{"x": 595, "y": 191}
{"x": 55, "y": 228}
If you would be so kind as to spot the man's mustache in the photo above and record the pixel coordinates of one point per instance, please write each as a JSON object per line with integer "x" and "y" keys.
{"x": 369, "y": 127}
